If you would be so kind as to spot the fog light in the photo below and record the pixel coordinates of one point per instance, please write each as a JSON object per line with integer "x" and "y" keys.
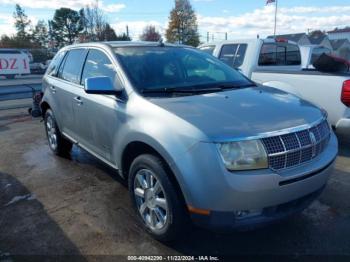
{"x": 241, "y": 214}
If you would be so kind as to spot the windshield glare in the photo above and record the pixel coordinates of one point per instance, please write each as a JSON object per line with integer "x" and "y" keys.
{"x": 174, "y": 67}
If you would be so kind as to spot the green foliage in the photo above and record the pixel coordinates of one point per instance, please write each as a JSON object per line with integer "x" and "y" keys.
{"x": 21, "y": 22}
{"x": 183, "y": 27}
{"x": 65, "y": 26}
{"x": 40, "y": 34}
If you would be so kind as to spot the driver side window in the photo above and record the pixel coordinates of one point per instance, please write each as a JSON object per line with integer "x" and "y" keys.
{"x": 98, "y": 64}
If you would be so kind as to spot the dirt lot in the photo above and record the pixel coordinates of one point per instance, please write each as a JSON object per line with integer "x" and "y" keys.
{"x": 57, "y": 206}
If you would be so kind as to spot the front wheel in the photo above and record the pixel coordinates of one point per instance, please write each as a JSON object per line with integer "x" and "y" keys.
{"x": 156, "y": 200}
{"x": 58, "y": 144}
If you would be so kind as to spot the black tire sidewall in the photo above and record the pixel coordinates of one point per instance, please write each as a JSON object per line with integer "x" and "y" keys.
{"x": 175, "y": 214}
{"x": 48, "y": 114}
{"x": 63, "y": 145}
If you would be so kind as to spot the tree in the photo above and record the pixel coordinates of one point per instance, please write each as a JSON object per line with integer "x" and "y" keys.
{"x": 317, "y": 33}
{"x": 108, "y": 33}
{"x": 183, "y": 27}
{"x": 150, "y": 34}
{"x": 123, "y": 37}
{"x": 21, "y": 22}
{"x": 65, "y": 26}
{"x": 93, "y": 23}
{"x": 15, "y": 42}
{"x": 40, "y": 34}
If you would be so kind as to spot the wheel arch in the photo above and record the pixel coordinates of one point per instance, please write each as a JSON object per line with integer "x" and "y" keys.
{"x": 136, "y": 148}
{"x": 44, "y": 106}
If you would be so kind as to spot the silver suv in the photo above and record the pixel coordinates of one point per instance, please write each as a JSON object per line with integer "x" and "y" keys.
{"x": 195, "y": 139}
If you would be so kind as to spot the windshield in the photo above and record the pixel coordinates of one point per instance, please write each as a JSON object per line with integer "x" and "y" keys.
{"x": 156, "y": 67}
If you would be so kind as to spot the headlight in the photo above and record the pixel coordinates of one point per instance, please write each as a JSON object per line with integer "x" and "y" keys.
{"x": 243, "y": 155}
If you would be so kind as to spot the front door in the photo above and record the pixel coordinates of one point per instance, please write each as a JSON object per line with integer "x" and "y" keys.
{"x": 65, "y": 87}
{"x": 98, "y": 116}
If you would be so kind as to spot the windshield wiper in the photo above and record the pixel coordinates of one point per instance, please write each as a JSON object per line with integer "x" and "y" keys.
{"x": 180, "y": 90}
{"x": 207, "y": 88}
{"x": 234, "y": 86}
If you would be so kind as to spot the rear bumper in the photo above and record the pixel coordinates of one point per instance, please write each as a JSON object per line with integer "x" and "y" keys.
{"x": 343, "y": 127}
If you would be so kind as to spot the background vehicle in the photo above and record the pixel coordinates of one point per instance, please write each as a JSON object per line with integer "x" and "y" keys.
{"x": 13, "y": 62}
{"x": 37, "y": 68}
{"x": 194, "y": 138}
{"x": 278, "y": 63}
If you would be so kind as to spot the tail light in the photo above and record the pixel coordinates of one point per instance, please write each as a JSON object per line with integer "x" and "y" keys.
{"x": 345, "y": 94}
{"x": 281, "y": 40}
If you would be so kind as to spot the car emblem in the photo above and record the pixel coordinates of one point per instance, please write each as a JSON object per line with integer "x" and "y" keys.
{"x": 313, "y": 143}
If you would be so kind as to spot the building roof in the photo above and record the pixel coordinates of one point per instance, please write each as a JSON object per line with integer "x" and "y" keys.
{"x": 344, "y": 30}
{"x": 336, "y": 44}
{"x": 316, "y": 40}
{"x": 290, "y": 37}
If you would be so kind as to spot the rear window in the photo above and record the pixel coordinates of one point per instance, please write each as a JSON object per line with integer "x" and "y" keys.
{"x": 317, "y": 52}
{"x": 279, "y": 54}
{"x": 233, "y": 54}
{"x": 72, "y": 66}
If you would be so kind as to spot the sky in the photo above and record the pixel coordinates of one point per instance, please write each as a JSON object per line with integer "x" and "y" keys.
{"x": 240, "y": 19}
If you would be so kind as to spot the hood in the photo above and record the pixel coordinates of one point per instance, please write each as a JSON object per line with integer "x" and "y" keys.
{"x": 242, "y": 112}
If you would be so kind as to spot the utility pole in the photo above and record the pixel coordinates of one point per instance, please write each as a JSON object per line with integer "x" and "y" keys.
{"x": 208, "y": 37}
{"x": 226, "y": 36}
{"x": 276, "y": 6}
{"x": 127, "y": 31}
{"x": 212, "y": 37}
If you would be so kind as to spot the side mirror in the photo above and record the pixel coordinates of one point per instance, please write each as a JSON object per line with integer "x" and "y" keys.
{"x": 102, "y": 85}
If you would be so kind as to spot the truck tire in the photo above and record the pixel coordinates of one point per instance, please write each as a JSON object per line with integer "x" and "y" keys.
{"x": 57, "y": 143}
{"x": 156, "y": 200}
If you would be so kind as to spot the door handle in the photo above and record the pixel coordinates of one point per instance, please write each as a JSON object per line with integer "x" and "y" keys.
{"x": 78, "y": 100}
{"x": 53, "y": 89}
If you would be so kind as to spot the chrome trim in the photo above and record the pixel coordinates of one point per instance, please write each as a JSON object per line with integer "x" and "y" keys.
{"x": 272, "y": 133}
{"x": 317, "y": 147}
{"x": 90, "y": 152}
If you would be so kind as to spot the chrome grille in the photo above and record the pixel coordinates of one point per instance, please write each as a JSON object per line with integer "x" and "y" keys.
{"x": 293, "y": 149}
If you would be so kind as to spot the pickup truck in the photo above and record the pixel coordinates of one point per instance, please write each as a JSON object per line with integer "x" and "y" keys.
{"x": 13, "y": 62}
{"x": 278, "y": 63}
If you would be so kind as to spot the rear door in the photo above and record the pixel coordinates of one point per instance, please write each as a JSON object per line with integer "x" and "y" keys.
{"x": 65, "y": 89}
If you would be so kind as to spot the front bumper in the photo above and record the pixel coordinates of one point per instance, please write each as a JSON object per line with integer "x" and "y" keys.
{"x": 223, "y": 221}
{"x": 208, "y": 185}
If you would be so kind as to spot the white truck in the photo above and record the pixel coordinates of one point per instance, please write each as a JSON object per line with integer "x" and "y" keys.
{"x": 13, "y": 62}
{"x": 278, "y": 63}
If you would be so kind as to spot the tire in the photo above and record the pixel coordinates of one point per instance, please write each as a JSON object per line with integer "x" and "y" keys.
{"x": 57, "y": 143}
{"x": 175, "y": 217}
